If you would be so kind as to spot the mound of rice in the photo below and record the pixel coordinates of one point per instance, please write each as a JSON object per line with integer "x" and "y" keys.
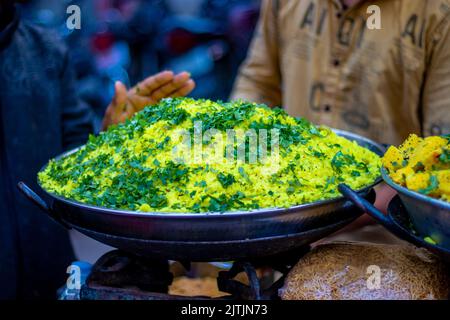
{"x": 145, "y": 164}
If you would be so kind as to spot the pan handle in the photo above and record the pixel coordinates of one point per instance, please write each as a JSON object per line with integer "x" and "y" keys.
{"x": 40, "y": 203}
{"x": 383, "y": 219}
{"x": 363, "y": 204}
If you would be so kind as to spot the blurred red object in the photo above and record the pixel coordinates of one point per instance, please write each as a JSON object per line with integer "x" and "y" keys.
{"x": 179, "y": 41}
{"x": 102, "y": 42}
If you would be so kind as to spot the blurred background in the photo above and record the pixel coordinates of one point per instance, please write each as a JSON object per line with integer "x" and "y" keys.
{"x": 128, "y": 40}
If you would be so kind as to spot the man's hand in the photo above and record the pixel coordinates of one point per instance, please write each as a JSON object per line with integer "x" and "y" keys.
{"x": 148, "y": 92}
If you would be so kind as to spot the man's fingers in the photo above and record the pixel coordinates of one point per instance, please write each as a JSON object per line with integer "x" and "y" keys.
{"x": 162, "y": 85}
{"x": 120, "y": 93}
{"x": 167, "y": 90}
{"x": 185, "y": 90}
{"x": 139, "y": 102}
{"x": 120, "y": 97}
{"x": 150, "y": 84}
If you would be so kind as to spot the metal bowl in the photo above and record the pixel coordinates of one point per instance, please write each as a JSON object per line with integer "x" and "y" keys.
{"x": 430, "y": 217}
{"x": 397, "y": 221}
{"x": 150, "y": 232}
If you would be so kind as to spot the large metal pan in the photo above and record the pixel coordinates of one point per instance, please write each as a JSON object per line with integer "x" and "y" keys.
{"x": 206, "y": 236}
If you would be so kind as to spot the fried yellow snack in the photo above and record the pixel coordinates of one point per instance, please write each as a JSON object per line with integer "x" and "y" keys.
{"x": 417, "y": 181}
{"x": 443, "y": 177}
{"x": 393, "y": 158}
{"x": 422, "y": 165}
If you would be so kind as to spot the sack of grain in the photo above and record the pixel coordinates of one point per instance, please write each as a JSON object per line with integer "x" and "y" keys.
{"x": 352, "y": 270}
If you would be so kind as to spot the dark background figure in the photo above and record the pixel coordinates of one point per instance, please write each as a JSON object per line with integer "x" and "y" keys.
{"x": 40, "y": 116}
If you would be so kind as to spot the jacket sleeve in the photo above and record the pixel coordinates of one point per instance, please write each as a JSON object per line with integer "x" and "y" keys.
{"x": 77, "y": 117}
{"x": 259, "y": 78}
{"x": 436, "y": 94}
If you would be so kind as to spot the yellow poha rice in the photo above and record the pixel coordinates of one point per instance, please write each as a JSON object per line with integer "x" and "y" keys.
{"x": 144, "y": 165}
